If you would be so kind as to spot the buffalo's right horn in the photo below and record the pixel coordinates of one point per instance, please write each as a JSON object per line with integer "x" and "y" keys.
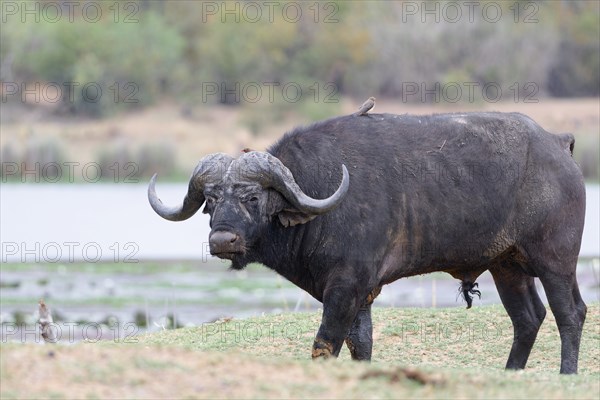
{"x": 269, "y": 171}
{"x": 209, "y": 170}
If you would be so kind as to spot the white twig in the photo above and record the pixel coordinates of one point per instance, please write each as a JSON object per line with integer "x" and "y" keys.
{"x": 443, "y": 144}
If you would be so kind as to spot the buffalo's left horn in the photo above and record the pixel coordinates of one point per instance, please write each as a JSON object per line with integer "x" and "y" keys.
{"x": 269, "y": 171}
{"x": 209, "y": 170}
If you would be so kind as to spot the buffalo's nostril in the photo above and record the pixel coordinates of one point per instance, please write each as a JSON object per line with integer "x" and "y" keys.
{"x": 224, "y": 242}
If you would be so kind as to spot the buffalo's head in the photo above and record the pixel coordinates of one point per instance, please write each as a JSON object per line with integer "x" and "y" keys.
{"x": 243, "y": 196}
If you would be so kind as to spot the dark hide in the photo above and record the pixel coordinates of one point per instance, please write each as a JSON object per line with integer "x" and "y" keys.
{"x": 461, "y": 193}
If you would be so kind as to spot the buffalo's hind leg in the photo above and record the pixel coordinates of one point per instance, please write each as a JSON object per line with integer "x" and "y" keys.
{"x": 569, "y": 311}
{"x": 524, "y": 307}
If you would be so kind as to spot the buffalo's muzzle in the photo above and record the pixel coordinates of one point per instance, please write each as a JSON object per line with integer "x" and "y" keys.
{"x": 225, "y": 244}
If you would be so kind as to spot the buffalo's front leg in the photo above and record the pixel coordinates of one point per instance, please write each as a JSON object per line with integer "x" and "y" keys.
{"x": 360, "y": 338}
{"x": 340, "y": 307}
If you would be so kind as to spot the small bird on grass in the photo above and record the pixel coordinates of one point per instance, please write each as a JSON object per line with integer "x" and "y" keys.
{"x": 366, "y": 106}
{"x": 46, "y": 323}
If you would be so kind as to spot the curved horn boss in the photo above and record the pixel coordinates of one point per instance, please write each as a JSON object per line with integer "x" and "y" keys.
{"x": 269, "y": 171}
{"x": 209, "y": 170}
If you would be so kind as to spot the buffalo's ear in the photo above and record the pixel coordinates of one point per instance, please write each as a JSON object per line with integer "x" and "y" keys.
{"x": 278, "y": 206}
{"x": 293, "y": 217}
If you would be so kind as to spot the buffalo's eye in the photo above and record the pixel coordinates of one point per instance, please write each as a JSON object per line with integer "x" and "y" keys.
{"x": 250, "y": 199}
{"x": 210, "y": 203}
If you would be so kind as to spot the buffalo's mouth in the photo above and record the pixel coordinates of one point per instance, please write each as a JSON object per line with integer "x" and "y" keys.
{"x": 227, "y": 255}
{"x": 238, "y": 259}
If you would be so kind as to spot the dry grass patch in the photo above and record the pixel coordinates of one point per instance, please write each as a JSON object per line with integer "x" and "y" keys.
{"x": 421, "y": 353}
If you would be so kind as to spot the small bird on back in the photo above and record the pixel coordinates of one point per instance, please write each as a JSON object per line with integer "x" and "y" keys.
{"x": 366, "y": 107}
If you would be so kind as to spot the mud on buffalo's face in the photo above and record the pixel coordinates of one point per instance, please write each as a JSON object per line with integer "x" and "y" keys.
{"x": 243, "y": 196}
{"x": 237, "y": 214}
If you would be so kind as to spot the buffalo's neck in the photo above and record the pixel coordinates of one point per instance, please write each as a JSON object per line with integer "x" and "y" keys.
{"x": 283, "y": 250}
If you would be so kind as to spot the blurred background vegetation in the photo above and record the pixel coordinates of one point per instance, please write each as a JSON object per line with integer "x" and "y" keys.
{"x": 144, "y": 53}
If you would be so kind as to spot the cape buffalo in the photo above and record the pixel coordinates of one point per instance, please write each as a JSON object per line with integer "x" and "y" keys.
{"x": 344, "y": 206}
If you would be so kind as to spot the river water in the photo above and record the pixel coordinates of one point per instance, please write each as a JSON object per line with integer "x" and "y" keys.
{"x": 68, "y": 234}
{"x": 49, "y": 223}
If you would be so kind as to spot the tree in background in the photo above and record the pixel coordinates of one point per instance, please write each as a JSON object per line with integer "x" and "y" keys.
{"x": 130, "y": 63}
{"x": 575, "y": 69}
{"x": 362, "y": 48}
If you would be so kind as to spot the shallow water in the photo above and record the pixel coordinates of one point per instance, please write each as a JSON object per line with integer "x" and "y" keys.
{"x": 90, "y": 297}
{"x": 56, "y": 226}
{"x": 115, "y": 222}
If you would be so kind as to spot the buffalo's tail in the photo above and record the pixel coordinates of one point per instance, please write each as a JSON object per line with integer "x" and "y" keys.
{"x": 567, "y": 141}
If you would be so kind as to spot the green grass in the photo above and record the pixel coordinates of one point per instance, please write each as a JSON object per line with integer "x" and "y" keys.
{"x": 458, "y": 353}
{"x": 479, "y": 336}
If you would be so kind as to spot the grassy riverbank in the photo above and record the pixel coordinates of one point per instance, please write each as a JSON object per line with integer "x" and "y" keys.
{"x": 424, "y": 353}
